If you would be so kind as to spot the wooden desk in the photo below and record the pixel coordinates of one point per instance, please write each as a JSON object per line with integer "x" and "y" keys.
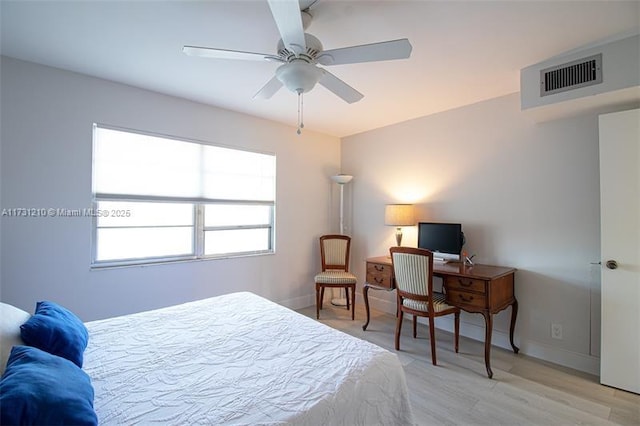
{"x": 481, "y": 289}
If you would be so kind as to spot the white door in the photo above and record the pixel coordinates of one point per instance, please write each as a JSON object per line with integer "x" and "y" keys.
{"x": 620, "y": 249}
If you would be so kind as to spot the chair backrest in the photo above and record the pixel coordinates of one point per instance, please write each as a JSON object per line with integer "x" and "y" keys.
{"x": 334, "y": 250}
{"x": 413, "y": 272}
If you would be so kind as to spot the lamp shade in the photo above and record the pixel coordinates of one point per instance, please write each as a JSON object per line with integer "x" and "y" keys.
{"x": 341, "y": 179}
{"x": 399, "y": 215}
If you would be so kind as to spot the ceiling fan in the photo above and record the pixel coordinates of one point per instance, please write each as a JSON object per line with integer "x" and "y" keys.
{"x": 300, "y": 54}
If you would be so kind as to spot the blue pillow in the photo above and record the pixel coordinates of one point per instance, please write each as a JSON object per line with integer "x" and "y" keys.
{"x": 56, "y": 330}
{"x": 44, "y": 389}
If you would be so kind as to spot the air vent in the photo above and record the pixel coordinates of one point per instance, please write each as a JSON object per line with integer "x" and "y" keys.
{"x": 572, "y": 75}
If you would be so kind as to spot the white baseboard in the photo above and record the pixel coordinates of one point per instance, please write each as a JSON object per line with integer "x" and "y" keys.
{"x": 310, "y": 300}
{"x": 586, "y": 363}
{"x": 577, "y": 361}
{"x": 299, "y": 302}
{"x": 381, "y": 304}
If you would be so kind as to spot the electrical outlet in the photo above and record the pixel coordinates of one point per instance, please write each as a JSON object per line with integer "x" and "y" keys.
{"x": 556, "y": 331}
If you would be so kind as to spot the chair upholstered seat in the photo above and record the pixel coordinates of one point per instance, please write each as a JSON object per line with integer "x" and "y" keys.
{"x": 335, "y": 277}
{"x": 439, "y": 303}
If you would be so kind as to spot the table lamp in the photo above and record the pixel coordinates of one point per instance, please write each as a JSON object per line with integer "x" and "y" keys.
{"x": 399, "y": 215}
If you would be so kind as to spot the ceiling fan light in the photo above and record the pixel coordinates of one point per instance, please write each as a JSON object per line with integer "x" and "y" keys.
{"x": 299, "y": 76}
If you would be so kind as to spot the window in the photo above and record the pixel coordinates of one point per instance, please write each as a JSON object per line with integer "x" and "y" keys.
{"x": 158, "y": 199}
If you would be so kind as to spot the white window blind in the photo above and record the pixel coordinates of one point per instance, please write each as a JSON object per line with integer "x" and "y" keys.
{"x": 138, "y": 164}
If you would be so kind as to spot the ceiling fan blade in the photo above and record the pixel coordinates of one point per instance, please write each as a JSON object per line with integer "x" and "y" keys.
{"x": 208, "y": 52}
{"x": 384, "y": 51}
{"x": 340, "y": 88}
{"x": 269, "y": 89}
{"x": 286, "y": 13}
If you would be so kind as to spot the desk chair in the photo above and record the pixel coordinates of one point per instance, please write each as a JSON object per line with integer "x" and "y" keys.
{"x": 334, "y": 250}
{"x": 413, "y": 271}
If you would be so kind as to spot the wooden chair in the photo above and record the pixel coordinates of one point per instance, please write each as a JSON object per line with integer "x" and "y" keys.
{"x": 334, "y": 250}
{"x": 413, "y": 272}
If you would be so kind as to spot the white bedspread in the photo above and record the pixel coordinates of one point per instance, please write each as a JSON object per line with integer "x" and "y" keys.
{"x": 239, "y": 359}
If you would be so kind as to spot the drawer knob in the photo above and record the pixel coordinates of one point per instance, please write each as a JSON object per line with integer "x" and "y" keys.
{"x": 465, "y": 283}
{"x": 378, "y": 268}
{"x": 378, "y": 280}
{"x": 465, "y": 299}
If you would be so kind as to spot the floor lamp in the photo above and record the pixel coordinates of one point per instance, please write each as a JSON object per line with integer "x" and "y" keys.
{"x": 341, "y": 180}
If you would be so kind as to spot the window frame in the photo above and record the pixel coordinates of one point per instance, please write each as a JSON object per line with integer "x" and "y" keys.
{"x": 198, "y": 203}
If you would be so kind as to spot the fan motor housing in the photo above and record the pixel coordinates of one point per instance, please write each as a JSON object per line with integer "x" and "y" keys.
{"x": 314, "y": 48}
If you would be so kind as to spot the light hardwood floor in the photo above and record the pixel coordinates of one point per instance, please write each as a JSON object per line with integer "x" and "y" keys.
{"x": 523, "y": 391}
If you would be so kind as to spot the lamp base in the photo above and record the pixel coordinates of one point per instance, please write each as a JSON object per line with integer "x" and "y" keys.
{"x": 341, "y": 300}
{"x": 399, "y": 236}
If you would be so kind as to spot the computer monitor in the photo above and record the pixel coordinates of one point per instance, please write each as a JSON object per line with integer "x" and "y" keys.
{"x": 445, "y": 240}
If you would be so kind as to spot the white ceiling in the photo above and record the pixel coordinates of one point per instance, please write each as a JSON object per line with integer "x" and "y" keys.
{"x": 463, "y": 51}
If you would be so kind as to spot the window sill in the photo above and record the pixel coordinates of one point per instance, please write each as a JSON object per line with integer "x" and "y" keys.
{"x": 147, "y": 263}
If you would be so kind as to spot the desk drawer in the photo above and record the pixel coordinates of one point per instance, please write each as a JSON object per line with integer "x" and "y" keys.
{"x": 459, "y": 298}
{"x": 465, "y": 284}
{"x": 379, "y": 274}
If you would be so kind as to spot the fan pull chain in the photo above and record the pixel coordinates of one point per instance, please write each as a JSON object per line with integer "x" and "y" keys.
{"x": 300, "y": 112}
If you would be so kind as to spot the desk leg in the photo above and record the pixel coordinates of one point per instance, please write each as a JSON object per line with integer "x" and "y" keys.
{"x": 514, "y": 314}
{"x": 488, "y": 322}
{"x": 365, "y": 293}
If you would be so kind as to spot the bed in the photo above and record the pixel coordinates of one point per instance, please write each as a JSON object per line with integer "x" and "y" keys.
{"x": 239, "y": 359}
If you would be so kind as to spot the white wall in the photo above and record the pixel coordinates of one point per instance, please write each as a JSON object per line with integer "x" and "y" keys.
{"x": 527, "y": 195}
{"x": 46, "y": 117}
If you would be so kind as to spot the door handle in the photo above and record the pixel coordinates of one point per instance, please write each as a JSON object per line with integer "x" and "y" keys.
{"x": 612, "y": 264}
